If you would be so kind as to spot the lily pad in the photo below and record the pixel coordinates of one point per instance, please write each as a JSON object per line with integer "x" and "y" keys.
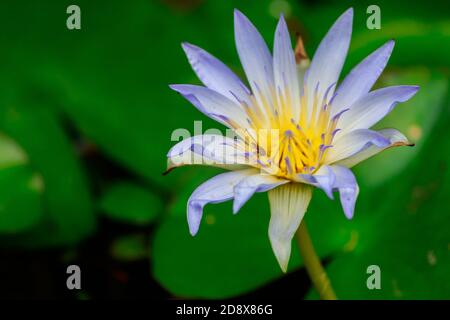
{"x": 130, "y": 203}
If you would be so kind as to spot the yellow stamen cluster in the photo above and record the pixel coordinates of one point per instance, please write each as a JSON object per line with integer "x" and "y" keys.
{"x": 283, "y": 145}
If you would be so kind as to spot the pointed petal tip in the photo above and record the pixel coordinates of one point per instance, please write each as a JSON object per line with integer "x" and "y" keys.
{"x": 348, "y": 202}
{"x": 349, "y": 214}
{"x": 193, "y": 231}
{"x": 238, "y": 14}
{"x": 347, "y": 208}
{"x": 187, "y": 46}
{"x": 194, "y": 216}
{"x": 282, "y": 254}
{"x": 241, "y": 20}
{"x": 283, "y": 262}
{"x": 411, "y": 91}
{"x": 349, "y": 12}
{"x": 190, "y": 48}
{"x": 236, "y": 206}
{"x": 347, "y": 17}
{"x": 388, "y": 47}
{"x": 193, "y": 224}
{"x": 282, "y": 25}
{"x": 179, "y": 88}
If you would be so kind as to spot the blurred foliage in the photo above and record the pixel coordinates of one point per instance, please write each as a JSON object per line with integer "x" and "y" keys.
{"x": 107, "y": 85}
{"x": 130, "y": 248}
{"x": 130, "y": 203}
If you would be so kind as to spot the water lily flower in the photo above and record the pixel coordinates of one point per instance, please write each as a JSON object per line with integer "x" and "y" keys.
{"x": 323, "y": 129}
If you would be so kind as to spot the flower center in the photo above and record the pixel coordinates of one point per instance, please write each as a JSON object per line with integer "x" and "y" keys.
{"x": 292, "y": 146}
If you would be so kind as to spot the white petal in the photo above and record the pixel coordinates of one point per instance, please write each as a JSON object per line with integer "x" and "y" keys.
{"x": 374, "y": 106}
{"x": 215, "y": 190}
{"x": 362, "y": 77}
{"x": 352, "y": 143}
{"x": 215, "y": 74}
{"x": 395, "y": 137}
{"x": 288, "y": 204}
{"x": 255, "y": 58}
{"x": 209, "y": 149}
{"x": 245, "y": 189}
{"x": 214, "y": 105}
{"x": 285, "y": 70}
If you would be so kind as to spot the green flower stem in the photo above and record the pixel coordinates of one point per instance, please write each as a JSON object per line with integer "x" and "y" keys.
{"x": 313, "y": 265}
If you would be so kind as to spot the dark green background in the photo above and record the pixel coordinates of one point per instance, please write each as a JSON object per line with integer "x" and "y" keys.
{"x": 86, "y": 118}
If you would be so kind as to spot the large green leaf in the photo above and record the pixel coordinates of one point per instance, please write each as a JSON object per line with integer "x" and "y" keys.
{"x": 130, "y": 203}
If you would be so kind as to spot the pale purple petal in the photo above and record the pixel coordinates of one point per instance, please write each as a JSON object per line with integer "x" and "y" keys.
{"x": 217, "y": 189}
{"x": 336, "y": 178}
{"x": 255, "y": 58}
{"x": 285, "y": 69}
{"x": 208, "y": 149}
{"x": 362, "y": 77}
{"x": 353, "y": 142}
{"x": 245, "y": 189}
{"x": 374, "y": 106}
{"x": 213, "y": 104}
{"x": 329, "y": 58}
{"x": 348, "y": 189}
{"x": 395, "y": 137}
{"x": 215, "y": 74}
{"x": 325, "y": 179}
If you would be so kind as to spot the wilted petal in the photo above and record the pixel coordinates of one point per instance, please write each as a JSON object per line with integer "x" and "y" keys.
{"x": 374, "y": 106}
{"x": 285, "y": 71}
{"x": 288, "y": 204}
{"x": 329, "y": 58}
{"x": 214, "y": 105}
{"x": 255, "y": 58}
{"x": 395, "y": 138}
{"x": 362, "y": 77}
{"x": 245, "y": 189}
{"x": 353, "y": 142}
{"x": 215, "y": 74}
{"x": 208, "y": 149}
{"x": 215, "y": 190}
